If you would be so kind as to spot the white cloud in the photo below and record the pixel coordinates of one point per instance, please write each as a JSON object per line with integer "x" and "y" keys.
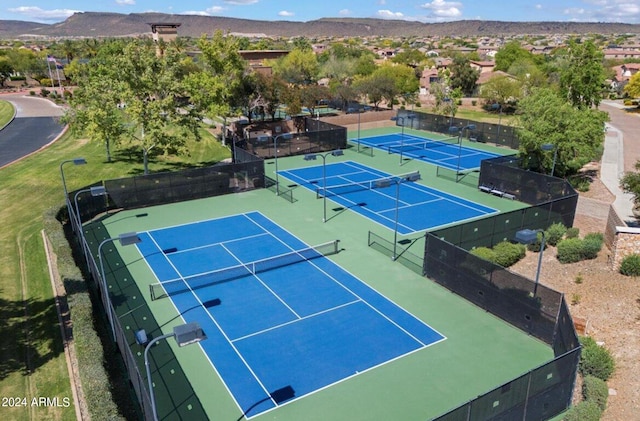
{"x": 538, "y": 6}
{"x": 241, "y": 2}
{"x": 126, "y": 2}
{"x": 388, "y": 14}
{"x": 40, "y": 15}
{"x": 286, "y": 14}
{"x": 214, "y": 10}
{"x": 443, "y": 8}
{"x": 344, "y": 12}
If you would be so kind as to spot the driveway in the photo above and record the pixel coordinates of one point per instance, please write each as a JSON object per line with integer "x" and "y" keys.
{"x": 35, "y": 126}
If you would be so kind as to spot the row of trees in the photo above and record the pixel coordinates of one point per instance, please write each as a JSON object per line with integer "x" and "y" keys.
{"x": 130, "y": 94}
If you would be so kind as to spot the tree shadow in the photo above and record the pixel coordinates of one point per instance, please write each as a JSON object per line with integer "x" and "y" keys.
{"x": 30, "y": 332}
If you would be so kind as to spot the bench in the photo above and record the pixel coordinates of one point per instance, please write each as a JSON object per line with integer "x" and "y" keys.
{"x": 485, "y": 189}
{"x": 509, "y": 196}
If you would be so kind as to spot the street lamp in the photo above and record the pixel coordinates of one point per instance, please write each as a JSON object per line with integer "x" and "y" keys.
{"x": 551, "y": 147}
{"x": 185, "y": 334}
{"x": 460, "y": 131}
{"x": 286, "y": 136}
{"x": 414, "y": 176}
{"x": 529, "y": 236}
{"x": 75, "y": 161}
{"x": 125, "y": 239}
{"x": 312, "y": 157}
{"x": 400, "y": 121}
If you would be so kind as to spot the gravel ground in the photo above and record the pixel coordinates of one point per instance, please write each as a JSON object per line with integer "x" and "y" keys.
{"x": 608, "y": 301}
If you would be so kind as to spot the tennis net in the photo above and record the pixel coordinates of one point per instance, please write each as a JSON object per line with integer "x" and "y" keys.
{"x": 420, "y": 145}
{"x": 341, "y": 189}
{"x": 176, "y": 286}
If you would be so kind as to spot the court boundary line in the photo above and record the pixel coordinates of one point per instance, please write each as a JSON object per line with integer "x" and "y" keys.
{"x": 277, "y": 405}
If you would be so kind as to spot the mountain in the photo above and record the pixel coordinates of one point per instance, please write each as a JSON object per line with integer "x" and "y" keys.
{"x": 94, "y": 24}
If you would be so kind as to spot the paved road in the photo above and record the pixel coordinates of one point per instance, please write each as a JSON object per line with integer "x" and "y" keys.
{"x": 34, "y": 127}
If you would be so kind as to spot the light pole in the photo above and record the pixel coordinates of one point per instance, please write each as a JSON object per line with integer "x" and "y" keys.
{"x": 551, "y": 147}
{"x": 95, "y": 191}
{"x": 529, "y": 236}
{"x": 75, "y": 161}
{"x": 125, "y": 239}
{"x": 460, "y": 131}
{"x": 400, "y": 121}
{"x": 414, "y": 176}
{"x": 286, "y": 136}
{"x": 312, "y": 157}
{"x": 498, "y": 106}
{"x": 185, "y": 334}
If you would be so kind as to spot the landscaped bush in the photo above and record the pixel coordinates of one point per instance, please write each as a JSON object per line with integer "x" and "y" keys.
{"x": 595, "y": 390}
{"x": 591, "y": 245}
{"x": 484, "y": 253}
{"x": 570, "y": 250}
{"x": 595, "y": 360}
{"x": 572, "y": 232}
{"x": 44, "y": 92}
{"x": 554, "y": 233}
{"x": 630, "y": 265}
{"x": 584, "y": 411}
{"x": 508, "y": 253}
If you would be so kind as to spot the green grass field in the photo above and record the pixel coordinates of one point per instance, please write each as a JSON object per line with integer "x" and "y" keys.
{"x": 6, "y": 112}
{"x": 32, "y": 361}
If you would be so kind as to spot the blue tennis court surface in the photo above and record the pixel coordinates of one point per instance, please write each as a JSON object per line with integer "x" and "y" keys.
{"x": 446, "y": 153}
{"x": 351, "y": 185}
{"x": 283, "y": 332}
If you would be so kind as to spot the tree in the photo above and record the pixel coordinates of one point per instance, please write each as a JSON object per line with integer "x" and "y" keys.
{"x": 223, "y": 75}
{"x": 630, "y": 183}
{"x": 510, "y": 53}
{"x": 6, "y": 69}
{"x": 633, "y": 87}
{"x": 152, "y": 93}
{"x": 501, "y": 89}
{"x": 404, "y": 80}
{"x": 375, "y": 87}
{"x": 582, "y": 79}
{"x": 463, "y": 76}
{"x": 546, "y": 117}
{"x": 94, "y": 107}
{"x": 299, "y": 67}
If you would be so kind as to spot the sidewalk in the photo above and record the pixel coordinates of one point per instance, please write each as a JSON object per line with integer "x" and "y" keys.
{"x": 612, "y": 169}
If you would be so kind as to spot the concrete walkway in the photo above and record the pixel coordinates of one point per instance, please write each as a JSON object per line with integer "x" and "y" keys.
{"x": 618, "y": 154}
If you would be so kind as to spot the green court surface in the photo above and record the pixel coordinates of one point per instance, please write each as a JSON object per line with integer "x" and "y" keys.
{"x": 480, "y": 353}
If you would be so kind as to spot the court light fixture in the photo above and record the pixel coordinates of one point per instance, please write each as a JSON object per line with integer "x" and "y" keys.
{"x": 264, "y": 138}
{"x": 313, "y": 157}
{"x": 386, "y": 182}
{"x": 125, "y": 239}
{"x": 551, "y": 147}
{"x": 185, "y": 334}
{"x": 529, "y": 236}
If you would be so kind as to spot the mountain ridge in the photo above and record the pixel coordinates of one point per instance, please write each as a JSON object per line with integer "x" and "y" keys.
{"x": 103, "y": 24}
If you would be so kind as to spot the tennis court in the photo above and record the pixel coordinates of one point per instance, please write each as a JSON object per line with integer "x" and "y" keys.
{"x": 384, "y": 198}
{"x": 282, "y": 320}
{"x": 446, "y": 152}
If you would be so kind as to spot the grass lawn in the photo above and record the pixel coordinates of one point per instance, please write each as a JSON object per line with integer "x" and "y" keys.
{"x": 32, "y": 360}
{"x": 6, "y": 112}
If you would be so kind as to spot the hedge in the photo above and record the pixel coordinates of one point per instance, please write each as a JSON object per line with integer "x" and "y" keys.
{"x": 595, "y": 390}
{"x": 595, "y": 360}
{"x": 94, "y": 379}
{"x": 630, "y": 265}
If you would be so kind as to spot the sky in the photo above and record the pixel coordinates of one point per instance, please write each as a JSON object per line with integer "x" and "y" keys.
{"x": 52, "y": 11}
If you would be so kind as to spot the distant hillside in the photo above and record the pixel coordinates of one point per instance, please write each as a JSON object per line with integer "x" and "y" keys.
{"x": 93, "y": 24}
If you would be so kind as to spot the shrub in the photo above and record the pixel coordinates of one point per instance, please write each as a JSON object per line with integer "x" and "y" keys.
{"x": 584, "y": 411}
{"x": 535, "y": 246}
{"x": 630, "y": 265}
{"x": 595, "y": 360}
{"x": 595, "y": 390}
{"x": 570, "y": 250}
{"x": 591, "y": 245}
{"x": 572, "y": 232}
{"x": 45, "y": 92}
{"x": 554, "y": 233}
{"x": 508, "y": 253}
{"x": 484, "y": 253}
